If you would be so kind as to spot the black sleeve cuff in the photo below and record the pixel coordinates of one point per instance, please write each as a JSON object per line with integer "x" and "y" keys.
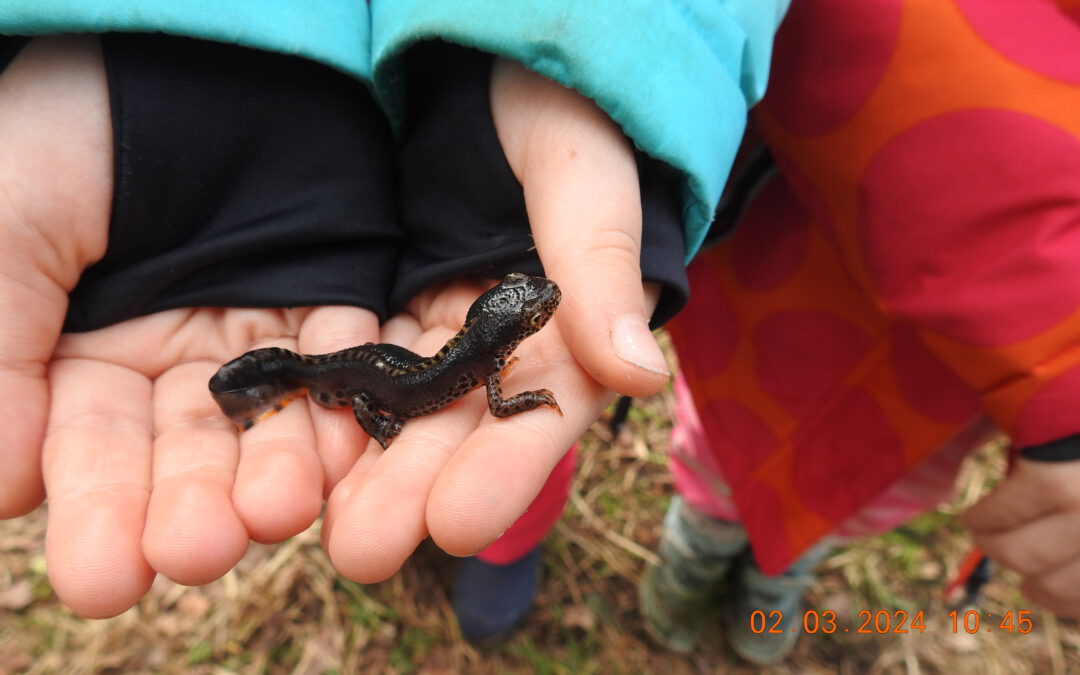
{"x": 1065, "y": 450}
{"x": 243, "y": 178}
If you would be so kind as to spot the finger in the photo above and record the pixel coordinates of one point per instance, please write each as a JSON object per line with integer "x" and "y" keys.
{"x": 1033, "y": 490}
{"x": 1049, "y": 601}
{"x": 583, "y": 199}
{"x": 343, "y": 490}
{"x": 277, "y": 491}
{"x": 403, "y": 329}
{"x": 193, "y": 532}
{"x": 339, "y": 439}
{"x": 279, "y": 479}
{"x": 96, "y": 461}
{"x": 382, "y": 521}
{"x": 1035, "y": 546}
{"x": 55, "y": 131}
{"x": 1057, "y": 590}
{"x": 490, "y": 481}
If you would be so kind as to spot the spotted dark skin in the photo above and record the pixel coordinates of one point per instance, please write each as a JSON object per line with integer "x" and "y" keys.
{"x": 386, "y": 384}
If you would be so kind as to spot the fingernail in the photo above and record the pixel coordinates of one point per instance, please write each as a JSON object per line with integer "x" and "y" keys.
{"x": 634, "y": 343}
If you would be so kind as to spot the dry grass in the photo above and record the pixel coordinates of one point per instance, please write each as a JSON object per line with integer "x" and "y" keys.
{"x": 284, "y": 610}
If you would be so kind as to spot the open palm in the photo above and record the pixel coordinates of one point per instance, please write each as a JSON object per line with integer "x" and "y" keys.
{"x": 143, "y": 472}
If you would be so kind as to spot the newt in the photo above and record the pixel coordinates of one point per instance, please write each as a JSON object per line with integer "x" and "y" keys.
{"x": 386, "y": 384}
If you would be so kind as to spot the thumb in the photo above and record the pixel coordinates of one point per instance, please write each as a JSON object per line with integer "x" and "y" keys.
{"x": 56, "y": 173}
{"x": 583, "y": 199}
{"x": 24, "y": 393}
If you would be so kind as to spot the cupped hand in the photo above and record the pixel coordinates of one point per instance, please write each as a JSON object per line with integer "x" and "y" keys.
{"x": 460, "y": 475}
{"x": 583, "y": 199}
{"x": 143, "y": 472}
{"x": 1031, "y": 523}
{"x": 117, "y": 427}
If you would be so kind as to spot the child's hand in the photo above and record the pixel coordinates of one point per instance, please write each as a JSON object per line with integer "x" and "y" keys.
{"x": 584, "y": 204}
{"x": 1031, "y": 523}
{"x": 460, "y": 475}
{"x": 143, "y": 471}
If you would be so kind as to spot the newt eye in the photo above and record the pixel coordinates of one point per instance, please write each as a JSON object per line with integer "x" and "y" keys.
{"x": 535, "y": 317}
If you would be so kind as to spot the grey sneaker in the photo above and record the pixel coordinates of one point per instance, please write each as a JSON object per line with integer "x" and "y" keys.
{"x": 752, "y": 591}
{"x": 679, "y": 597}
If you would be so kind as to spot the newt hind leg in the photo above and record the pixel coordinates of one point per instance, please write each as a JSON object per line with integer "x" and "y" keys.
{"x": 526, "y": 400}
{"x": 383, "y": 427}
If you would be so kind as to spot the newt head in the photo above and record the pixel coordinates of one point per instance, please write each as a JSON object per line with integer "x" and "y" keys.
{"x": 513, "y": 310}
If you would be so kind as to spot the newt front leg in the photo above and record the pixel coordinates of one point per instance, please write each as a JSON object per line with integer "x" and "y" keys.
{"x": 526, "y": 400}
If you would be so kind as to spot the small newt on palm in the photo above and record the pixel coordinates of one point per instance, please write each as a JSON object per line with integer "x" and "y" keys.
{"x": 386, "y": 384}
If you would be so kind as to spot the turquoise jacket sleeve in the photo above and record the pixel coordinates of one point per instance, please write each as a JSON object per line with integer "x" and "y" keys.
{"x": 334, "y": 32}
{"x": 677, "y": 75}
